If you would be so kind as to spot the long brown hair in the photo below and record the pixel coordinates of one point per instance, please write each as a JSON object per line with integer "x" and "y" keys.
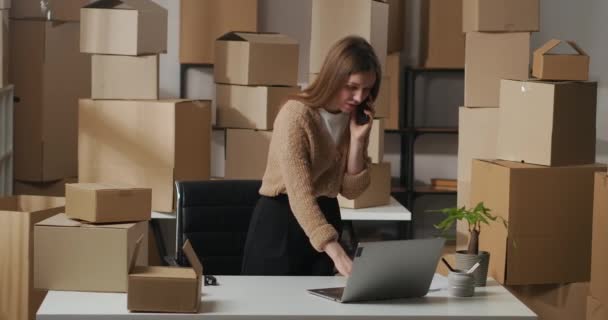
{"x": 350, "y": 55}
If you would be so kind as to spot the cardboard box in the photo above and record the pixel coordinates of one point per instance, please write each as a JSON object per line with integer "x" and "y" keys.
{"x": 4, "y": 48}
{"x": 549, "y": 211}
{"x": 256, "y": 59}
{"x": 5, "y": 4}
{"x": 334, "y": 20}
{"x": 249, "y": 107}
{"x": 126, "y": 27}
{"x": 102, "y": 203}
{"x": 124, "y": 77}
{"x": 383, "y": 101}
{"x": 375, "y": 148}
{"x": 54, "y": 188}
{"x": 477, "y": 139}
{"x": 57, "y": 10}
{"x": 599, "y": 242}
{"x": 145, "y": 143}
{"x": 18, "y": 214}
{"x": 246, "y": 153}
{"x": 377, "y": 194}
{"x": 74, "y": 256}
{"x": 596, "y": 310}
{"x": 442, "y": 41}
{"x": 554, "y": 301}
{"x": 50, "y": 75}
{"x": 489, "y": 58}
{"x": 553, "y": 66}
{"x": 393, "y": 75}
{"x": 166, "y": 289}
{"x": 500, "y": 15}
{"x": 203, "y": 21}
{"x": 547, "y": 123}
{"x": 396, "y": 25}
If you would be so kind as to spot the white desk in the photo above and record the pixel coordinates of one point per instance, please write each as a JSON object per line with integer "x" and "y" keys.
{"x": 394, "y": 211}
{"x": 243, "y": 298}
{"x": 163, "y": 215}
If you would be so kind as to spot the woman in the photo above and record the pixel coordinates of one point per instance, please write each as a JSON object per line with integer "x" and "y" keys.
{"x": 318, "y": 150}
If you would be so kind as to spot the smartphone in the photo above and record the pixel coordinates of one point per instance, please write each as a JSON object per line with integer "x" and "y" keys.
{"x": 360, "y": 117}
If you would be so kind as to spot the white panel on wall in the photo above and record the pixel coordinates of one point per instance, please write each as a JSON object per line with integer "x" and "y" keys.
{"x": 218, "y": 153}
{"x": 200, "y": 85}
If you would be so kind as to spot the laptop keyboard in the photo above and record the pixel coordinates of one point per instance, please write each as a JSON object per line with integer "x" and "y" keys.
{"x": 335, "y": 292}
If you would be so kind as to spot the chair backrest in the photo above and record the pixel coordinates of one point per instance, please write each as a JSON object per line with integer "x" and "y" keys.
{"x": 214, "y": 216}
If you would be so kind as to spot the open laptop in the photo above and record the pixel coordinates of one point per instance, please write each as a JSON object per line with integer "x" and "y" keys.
{"x": 389, "y": 270}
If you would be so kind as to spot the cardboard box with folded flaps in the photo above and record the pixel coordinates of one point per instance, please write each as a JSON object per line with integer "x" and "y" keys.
{"x": 166, "y": 289}
{"x": 256, "y": 59}
{"x": 553, "y": 66}
{"x": 126, "y": 27}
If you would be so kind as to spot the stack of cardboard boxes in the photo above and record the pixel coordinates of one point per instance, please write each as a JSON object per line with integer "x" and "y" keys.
{"x": 126, "y": 136}
{"x": 497, "y": 47}
{"x": 49, "y": 74}
{"x": 547, "y": 131}
{"x": 334, "y": 20}
{"x": 99, "y": 245}
{"x": 254, "y": 74}
{"x": 543, "y": 132}
{"x": 88, "y": 247}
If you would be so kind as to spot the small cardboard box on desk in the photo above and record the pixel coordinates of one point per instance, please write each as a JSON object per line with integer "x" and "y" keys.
{"x": 377, "y": 194}
{"x": 165, "y": 289}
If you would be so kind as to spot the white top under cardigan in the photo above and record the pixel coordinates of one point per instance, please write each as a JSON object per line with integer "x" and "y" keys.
{"x": 335, "y": 123}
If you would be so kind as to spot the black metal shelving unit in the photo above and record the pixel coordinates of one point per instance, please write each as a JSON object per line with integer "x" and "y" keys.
{"x": 404, "y": 187}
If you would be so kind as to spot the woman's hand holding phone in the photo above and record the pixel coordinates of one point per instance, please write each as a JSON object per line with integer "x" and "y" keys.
{"x": 361, "y": 121}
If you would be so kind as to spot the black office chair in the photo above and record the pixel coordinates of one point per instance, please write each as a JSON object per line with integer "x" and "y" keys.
{"x": 214, "y": 216}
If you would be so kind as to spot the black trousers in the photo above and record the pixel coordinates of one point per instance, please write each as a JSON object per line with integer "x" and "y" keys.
{"x": 277, "y": 245}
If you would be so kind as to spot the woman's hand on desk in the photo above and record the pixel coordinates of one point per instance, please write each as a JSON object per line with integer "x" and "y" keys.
{"x": 341, "y": 260}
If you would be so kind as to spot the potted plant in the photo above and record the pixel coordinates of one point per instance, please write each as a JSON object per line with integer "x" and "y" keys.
{"x": 475, "y": 217}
